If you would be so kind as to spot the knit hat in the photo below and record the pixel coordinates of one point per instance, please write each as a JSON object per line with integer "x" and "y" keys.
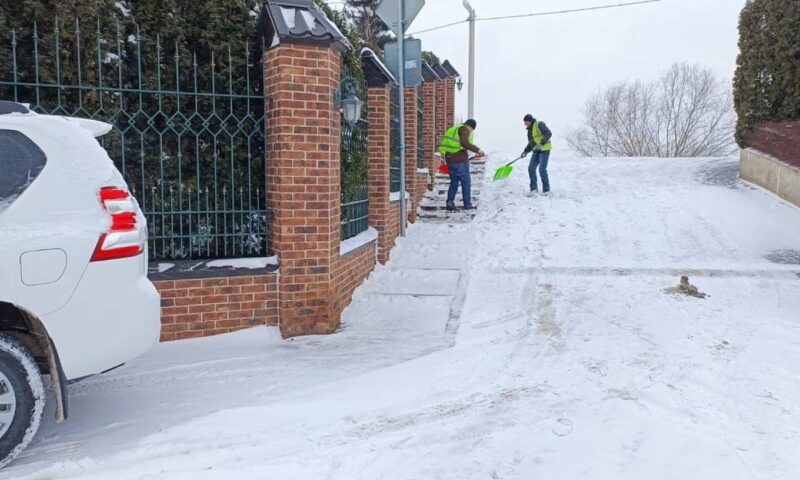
{"x": 528, "y": 118}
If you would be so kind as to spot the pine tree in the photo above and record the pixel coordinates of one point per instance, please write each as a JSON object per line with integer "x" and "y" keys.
{"x": 430, "y": 58}
{"x": 767, "y": 81}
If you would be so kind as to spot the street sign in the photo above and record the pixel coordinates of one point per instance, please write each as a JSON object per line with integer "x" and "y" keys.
{"x": 398, "y": 14}
{"x": 413, "y": 61}
{"x": 388, "y": 11}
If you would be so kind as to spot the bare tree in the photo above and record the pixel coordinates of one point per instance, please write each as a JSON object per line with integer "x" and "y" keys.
{"x": 687, "y": 113}
{"x": 370, "y": 27}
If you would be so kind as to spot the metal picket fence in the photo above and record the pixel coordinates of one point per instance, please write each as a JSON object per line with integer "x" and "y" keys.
{"x": 394, "y": 120}
{"x": 188, "y": 128}
{"x": 354, "y": 162}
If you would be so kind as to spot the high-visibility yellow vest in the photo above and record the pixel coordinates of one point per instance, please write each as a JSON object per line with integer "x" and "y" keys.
{"x": 451, "y": 143}
{"x": 537, "y": 135}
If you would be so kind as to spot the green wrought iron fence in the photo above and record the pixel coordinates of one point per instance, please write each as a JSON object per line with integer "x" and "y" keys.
{"x": 420, "y": 129}
{"x": 187, "y": 136}
{"x": 394, "y": 121}
{"x": 355, "y": 202}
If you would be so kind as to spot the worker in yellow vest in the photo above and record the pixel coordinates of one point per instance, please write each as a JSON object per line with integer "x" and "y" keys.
{"x": 538, "y": 142}
{"x": 455, "y": 148}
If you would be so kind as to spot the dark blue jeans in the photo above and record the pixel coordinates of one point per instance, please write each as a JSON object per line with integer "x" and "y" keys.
{"x": 459, "y": 174}
{"x": 539, "y": 160}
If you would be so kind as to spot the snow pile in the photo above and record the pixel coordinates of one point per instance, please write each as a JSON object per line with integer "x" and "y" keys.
{"x": 124, "y": 8}
{"x": 536, "y": 342}
{"x": 249, "y": 263}
{"x": 363, "y": 238}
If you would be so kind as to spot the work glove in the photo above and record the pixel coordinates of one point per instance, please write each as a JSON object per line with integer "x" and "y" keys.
{"x": 524, "y": 152}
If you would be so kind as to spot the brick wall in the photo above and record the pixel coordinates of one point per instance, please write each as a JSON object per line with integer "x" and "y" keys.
{"x": 392, "y": 230}
{"x": 202, "y": 307}
{"x": 315, "y": 282}
{"x": 351, "y": 271}
{"x": 778, "y": 139}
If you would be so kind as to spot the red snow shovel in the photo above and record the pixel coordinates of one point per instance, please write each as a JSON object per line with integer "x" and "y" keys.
{"x": 442, "y": 165}
{"x": 446, "y": 171}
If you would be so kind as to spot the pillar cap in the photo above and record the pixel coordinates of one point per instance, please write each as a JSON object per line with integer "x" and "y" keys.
{"x": 299, "y": 22}
{"x": 428, "y": 73}
{"x": 451, "y": 71}
{"x": 441, "y": 72}
{"x": 376, "y": 73}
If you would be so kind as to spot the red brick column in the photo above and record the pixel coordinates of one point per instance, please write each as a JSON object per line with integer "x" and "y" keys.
{"x": 441, "y": 108}
{"x": 410, "y": 99}
{"x": 431, "y": 135}
{"x": 450, "y": 100}
{"x": 303, "y": 182}
{"x": 379, "y": 145}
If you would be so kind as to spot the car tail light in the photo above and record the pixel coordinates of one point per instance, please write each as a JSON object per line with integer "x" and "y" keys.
{"x": 124, "y": 238}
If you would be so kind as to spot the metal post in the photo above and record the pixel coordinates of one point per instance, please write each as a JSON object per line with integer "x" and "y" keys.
{"x": 471, "y": 86}
{"x": 401, "y": 49}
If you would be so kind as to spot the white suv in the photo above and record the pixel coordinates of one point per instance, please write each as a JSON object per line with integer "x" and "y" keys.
{"x": 74, "y": 295}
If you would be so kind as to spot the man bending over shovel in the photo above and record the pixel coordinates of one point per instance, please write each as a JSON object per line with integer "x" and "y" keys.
{"x": 455, "y": 147}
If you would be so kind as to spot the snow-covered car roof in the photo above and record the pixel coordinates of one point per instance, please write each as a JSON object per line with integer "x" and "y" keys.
{"x": 95, "y": 127}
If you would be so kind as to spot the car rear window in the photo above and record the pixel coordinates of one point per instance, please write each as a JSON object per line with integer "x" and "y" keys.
{"x": 21, "y": 161}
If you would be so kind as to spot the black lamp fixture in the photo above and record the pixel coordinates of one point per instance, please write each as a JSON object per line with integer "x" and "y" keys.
{"x": 351, "y": 106}
{"x": 459, "y": 83}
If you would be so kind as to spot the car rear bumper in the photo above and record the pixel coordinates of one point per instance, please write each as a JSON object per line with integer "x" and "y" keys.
{"x": 113, "y": 316}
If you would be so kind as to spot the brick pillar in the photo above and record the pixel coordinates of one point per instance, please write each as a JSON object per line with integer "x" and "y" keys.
{"x": 410, "y": 100}
{"x": 303, "y": 182}
{"x": 450, "y": 100}
{"x": 379, "y": 147}
{"x": 441, "y": 108}
{"x": 431, "y": 135}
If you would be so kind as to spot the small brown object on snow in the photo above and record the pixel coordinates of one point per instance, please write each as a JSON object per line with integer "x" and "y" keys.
{"x": 687, "y": 288}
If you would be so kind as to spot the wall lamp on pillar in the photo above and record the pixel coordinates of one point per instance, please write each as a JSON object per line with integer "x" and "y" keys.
{"x": 351, "y": 105}
{"x": 459, "y": 83}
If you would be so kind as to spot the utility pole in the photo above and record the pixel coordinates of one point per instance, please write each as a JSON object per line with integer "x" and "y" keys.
{"x": 401, "y": 5}
{"x": 471, "y": 80}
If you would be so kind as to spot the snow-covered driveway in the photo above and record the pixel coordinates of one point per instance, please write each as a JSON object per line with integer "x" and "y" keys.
{"x": 538, "y": 342}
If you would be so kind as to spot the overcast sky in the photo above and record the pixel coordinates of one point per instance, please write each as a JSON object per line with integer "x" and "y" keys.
{"x": 550, "y": 65}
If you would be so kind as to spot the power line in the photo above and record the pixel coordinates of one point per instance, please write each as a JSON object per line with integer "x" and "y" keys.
{"x": 539, "y": 14}
{"x": 440, "y": 27}
{"x": 601, "y": 7}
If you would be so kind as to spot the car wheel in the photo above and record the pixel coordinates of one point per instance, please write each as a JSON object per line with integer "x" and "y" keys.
{"x": 22, "y": 398}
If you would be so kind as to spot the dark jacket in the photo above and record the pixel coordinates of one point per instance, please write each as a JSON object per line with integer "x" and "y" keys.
{"x": 462, "y": 156}
{"x": 546, "y": 135}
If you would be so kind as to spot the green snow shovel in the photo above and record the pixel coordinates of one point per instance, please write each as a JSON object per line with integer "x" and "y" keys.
{"x": 505, "y": 171}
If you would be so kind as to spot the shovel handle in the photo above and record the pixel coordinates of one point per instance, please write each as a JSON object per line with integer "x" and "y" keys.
{"x": 515, "y": 160}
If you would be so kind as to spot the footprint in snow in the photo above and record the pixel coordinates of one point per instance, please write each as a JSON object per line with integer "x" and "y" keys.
{"x": 563, "y": 427}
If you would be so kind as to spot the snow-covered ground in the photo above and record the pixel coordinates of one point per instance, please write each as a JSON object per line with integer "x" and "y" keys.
{"x": 538, "y": 342}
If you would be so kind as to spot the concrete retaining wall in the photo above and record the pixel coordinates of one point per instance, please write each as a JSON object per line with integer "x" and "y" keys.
{"x": 778, "y": 177}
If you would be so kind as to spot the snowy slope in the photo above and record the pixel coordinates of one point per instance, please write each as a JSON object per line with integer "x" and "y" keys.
{"x": 538, "y": 341}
